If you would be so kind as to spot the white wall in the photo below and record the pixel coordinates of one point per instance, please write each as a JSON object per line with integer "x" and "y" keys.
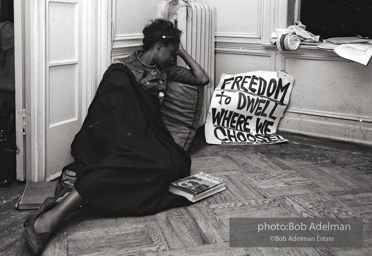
{"x": 128, "y": 19}
{"x": 331, "y": 96}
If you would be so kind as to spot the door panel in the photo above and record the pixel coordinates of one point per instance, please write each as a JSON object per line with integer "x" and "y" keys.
{"x": 63, "y": 22}
{"x": 63, "y": 95}
{"x": 62, "y": 49}
{"x": 64, "y": 81}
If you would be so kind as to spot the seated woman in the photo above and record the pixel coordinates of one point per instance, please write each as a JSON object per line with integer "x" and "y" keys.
{"x": 124, "y": 156}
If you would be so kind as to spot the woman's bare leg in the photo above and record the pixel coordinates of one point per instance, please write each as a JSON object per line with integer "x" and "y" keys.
{"x": 50, "y": 220}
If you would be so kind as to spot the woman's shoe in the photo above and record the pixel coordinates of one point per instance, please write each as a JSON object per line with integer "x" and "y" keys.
{"x": 36, "y": 241}
{"x": 51, "y": 202}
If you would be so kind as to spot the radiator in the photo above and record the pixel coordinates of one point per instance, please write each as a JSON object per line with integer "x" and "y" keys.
{"x": 197, "y": 21}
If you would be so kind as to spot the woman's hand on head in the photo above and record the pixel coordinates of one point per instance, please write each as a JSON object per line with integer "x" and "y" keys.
{"x": 180, "y": 50}
{"x": 200, "y": 75}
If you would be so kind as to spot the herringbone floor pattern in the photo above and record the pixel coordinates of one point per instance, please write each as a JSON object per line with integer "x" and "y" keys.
{"x": 306, "y": 177}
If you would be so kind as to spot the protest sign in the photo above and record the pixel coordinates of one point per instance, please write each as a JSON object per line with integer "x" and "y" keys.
{"x": 246, "y": 108}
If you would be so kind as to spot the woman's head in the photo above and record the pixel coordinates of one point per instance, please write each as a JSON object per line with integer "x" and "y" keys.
{"x": 160, "y": 31}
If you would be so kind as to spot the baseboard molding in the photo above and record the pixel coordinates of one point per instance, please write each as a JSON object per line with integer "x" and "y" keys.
{"x": 327, "y": 127}
{"x": 54, "y": 176}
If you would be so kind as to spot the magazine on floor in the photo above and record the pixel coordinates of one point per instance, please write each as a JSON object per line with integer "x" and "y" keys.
{"x": 197, "y": 187}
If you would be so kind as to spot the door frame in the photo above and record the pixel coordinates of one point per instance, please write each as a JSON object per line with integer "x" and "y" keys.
{"x": 30, "y": 76}
{"x": 19, "y": 62}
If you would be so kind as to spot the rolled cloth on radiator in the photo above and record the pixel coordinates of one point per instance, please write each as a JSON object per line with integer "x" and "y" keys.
{"x": 289, "y": 39}
{"x": 288, "y": 42}
{"x": 125, "y": 158}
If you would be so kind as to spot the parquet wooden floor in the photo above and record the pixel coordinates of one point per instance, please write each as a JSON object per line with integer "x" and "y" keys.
{"x": 306, "y": 177}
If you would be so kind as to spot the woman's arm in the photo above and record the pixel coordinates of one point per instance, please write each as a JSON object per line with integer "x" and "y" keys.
{"x": 200, "y": 75}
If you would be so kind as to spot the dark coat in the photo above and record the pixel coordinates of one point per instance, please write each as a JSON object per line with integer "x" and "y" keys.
{"x": 125, "y": 156}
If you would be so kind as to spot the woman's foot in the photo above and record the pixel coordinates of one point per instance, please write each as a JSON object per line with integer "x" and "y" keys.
{"x": 47, "y": 219}
{"x": 51, "y": 202}
{"x": 39, "y": 227}
{"x": 36, "y": 240}
{"x": 46, "y": 223}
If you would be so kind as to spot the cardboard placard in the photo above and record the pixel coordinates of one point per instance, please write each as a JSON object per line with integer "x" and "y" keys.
{"x": 246, "y": 108}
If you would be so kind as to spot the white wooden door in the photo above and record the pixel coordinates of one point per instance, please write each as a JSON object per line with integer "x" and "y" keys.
{"x": 64, "y": 80}
{"x": 64, "y": 41}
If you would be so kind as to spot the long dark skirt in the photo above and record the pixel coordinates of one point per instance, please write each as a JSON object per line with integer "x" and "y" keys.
{"x": 125, "y": 157}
